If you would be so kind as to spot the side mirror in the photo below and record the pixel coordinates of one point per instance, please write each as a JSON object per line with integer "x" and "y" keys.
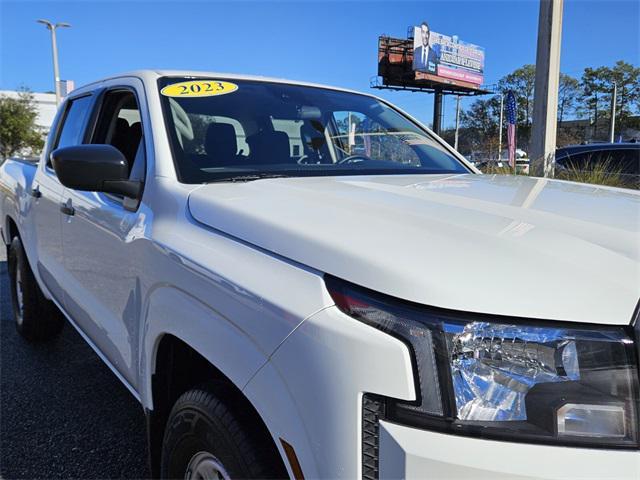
{"x": 94, "y": 168}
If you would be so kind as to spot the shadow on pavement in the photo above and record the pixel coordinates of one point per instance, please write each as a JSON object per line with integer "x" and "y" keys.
{"x": 63, "y": 414}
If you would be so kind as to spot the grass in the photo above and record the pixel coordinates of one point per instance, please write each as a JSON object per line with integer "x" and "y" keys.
{"x": 601, "y": 173}
{"x": 493, "y": 169}
{"x": 596, "y": 173}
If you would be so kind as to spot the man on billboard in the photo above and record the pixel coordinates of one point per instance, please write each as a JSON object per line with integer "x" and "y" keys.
{"x": 425, "y": 58}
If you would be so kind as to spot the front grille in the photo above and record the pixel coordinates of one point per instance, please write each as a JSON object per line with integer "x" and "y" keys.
{"x": 372, "y": 411}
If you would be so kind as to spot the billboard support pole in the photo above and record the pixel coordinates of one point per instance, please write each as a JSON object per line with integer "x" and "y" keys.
{"x": 545, "y": 101}
{"x": 437, "y": 111}
{"x": 455, "y": 141}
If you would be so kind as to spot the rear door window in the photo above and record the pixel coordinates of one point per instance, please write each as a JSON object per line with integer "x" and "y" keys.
{"x": 619, "y": 160}
{"x": 75, "y": 120}
{"x": 581, "y": 161}
{"x": 626, "y": 160}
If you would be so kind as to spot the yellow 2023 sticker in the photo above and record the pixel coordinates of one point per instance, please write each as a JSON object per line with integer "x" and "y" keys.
{"x": 199, "y": 88}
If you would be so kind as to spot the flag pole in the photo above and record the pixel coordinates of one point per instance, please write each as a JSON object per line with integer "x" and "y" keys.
{"x": 512, "y": 120}
{"x": 515, "y": 149}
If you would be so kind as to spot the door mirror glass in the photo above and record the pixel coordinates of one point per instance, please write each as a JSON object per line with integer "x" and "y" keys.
{"x": 94, "y": 168}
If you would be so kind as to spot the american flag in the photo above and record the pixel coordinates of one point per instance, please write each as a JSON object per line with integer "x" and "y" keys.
{"x": 511, "y": 127}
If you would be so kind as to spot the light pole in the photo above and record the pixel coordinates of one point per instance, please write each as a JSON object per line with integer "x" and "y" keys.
{"x": 500, "y": 127}
{"x": 612, "y": 126}
{"x": 56, "y": 73}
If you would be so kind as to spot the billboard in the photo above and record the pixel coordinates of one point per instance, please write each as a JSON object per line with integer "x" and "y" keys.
{"x": 447, "y": 57}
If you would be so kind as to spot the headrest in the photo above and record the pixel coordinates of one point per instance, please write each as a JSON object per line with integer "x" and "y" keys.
{"x": 220, "y": 141}
{"x": 135, "y": 130}
{"x": 270, "y": 147}
{"x": 122, "y": 127}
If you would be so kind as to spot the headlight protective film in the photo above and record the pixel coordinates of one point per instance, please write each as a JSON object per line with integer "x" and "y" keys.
{"x": 568, "y": 384}
{"x": 498, "y": 377}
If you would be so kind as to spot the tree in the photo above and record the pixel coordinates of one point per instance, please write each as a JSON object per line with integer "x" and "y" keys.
{"x": 627, "y": 78}
{"x": 522, "y": 82}
{"x": 481, "y": 116}
{"x": 482, "y": 119}
{"x": 568, "y": 92}
{"x": 18, "y": 130}
{"x": 481, "y": 123}
{"x": 593, "y": 88}
{"x": 588, "y": 97}
{"x": 596, "y": 87}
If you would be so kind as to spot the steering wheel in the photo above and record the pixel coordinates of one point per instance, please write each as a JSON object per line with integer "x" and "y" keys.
{"x": 354, "y": 159}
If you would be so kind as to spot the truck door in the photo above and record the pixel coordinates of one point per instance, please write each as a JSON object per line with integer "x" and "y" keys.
{"x": 47, "y": 192}
{"x": 103, "y": 237}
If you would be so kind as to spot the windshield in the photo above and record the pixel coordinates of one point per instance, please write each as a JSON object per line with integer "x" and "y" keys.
{"x": 229, "y": 130}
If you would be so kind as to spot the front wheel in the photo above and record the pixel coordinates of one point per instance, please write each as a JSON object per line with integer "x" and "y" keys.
{"x": 36, "y": 318}
{"x": 206, "y": 438}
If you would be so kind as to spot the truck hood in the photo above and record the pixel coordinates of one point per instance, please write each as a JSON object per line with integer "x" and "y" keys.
{"x": 502, "y": 245}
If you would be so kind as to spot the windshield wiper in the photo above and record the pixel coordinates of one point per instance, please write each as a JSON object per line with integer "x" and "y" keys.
{"x": 248, "y": 178}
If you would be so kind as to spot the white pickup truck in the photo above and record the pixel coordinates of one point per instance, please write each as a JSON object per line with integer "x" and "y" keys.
{"x": 298, "y": 281}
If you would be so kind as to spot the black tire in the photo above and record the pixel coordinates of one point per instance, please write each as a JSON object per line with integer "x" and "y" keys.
{"x": 201, "y": 422}
{"x": 38, "y": 319}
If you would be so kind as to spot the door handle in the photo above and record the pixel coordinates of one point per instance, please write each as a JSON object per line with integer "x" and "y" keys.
{"x": 67, "y": 208}
{"x": 35, "y": 192}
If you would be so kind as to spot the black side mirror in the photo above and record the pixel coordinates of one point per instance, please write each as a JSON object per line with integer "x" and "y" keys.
{"x": 94, "y": 168}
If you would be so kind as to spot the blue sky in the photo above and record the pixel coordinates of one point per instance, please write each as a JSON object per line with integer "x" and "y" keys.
{"x": 333, "y": 42}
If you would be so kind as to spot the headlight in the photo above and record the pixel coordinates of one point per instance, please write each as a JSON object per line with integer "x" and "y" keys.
{"x": 502, "y": 377}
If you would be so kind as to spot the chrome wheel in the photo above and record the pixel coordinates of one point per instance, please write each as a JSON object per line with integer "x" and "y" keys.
{"x": 204, "y": 466}
{"x": 19, "y": 297}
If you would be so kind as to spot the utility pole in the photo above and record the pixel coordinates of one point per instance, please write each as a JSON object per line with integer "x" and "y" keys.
{"x": 612, "y": 127}
{"x": 455, "y": 141}
{"x": 437, "y": 111}
{"x": 545, "y": 102}
{"x": 54, "y": 46}
{"x": 500, "y": 129}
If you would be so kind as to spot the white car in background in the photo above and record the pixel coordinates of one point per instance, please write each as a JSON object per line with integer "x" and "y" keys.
{"x": 301, "y": 281}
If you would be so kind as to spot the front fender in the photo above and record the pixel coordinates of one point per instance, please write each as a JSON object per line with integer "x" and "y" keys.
{"x": 176, "y": 312}
{"x": 310, "y": 392}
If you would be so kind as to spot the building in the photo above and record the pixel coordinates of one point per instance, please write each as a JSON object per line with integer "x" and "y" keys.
{"x": 588, "y": 131}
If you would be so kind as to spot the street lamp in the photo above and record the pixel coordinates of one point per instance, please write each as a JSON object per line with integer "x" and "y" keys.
{"x": 56, "y": 73}
{"x": 500, "y": 129}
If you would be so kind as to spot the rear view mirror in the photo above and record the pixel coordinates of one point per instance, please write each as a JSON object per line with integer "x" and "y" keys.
{"x": 309, "y": 112}
{"x": 94, "y": 168}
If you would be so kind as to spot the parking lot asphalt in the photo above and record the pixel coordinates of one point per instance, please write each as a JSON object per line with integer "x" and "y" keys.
{"x": 63, "y": 414}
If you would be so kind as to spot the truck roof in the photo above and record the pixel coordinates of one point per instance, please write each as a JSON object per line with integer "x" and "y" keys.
{"x": 151, "y": 75}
